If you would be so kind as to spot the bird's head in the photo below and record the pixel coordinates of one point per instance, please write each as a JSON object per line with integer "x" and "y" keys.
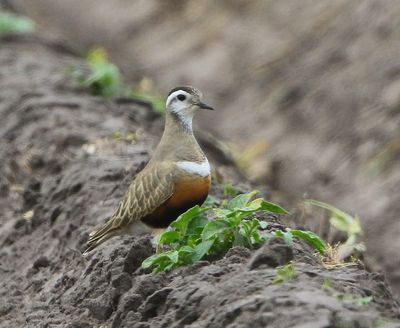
{"x": 184, "y": 102}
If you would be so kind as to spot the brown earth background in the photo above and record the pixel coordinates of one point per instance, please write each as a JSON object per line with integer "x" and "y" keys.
{"x": 313, "y": 88}
{"x": 315, "y": 82}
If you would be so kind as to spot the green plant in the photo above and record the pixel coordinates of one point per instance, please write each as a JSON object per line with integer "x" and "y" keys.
{"x": 230, "y": 189}
{"x": 192, "y": 236}
{"x": 346, "y": 223}
{"x": 155, "y": 101}
{"x": 104, "y": 78}
{"x": 381, "y": 323}
{"x": 309, "y": 236}
{"x": 129, "y": 137}
{"x": 284, "y": 273}
{"x": 10, "y": 23}
{"x": 352, "y": 298}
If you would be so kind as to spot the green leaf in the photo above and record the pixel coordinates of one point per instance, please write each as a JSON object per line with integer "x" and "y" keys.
{"x": 169, "y": 237}
{"x": 156, "y": 102}
{"x": 201, "y": 249}
{"x": 263, "y": 205}
{"x": 241, "y": 200}
{"x": 286, "y": 235}
{"x": 312, "y": 238}
{"x": 284, "y": 274}
{"x": 186, "y": 249}
{"x": 222, "y": 212}
{"x": 147, "y": 263}
{"x": 192, "y": 236}
{"x": 10, "y": 23}
{"x": 249, "y": 226}
{"x": 174, "y": 256}
{"x": 363, "y": 300}
{"x": 339, "y": 219}
{"x": 159, "y": 261}
{"x": 182, "y": 222}
{"x": 241, "y": 240}
{"x": 196, "y": 225}
{"x": 212, "y": 201}
{"x": 214, "y": 228}
{"x": 230, "y": 190}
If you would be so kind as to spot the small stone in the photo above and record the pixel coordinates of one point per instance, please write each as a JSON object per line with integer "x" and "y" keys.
{"x": 41, "y": 262}
{"x": 130, "y": 302}
{"x": 272, "y": 254}
{"x": 122, "y": 282}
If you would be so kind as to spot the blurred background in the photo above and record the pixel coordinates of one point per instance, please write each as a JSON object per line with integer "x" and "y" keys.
{"x": 307, "y": 92}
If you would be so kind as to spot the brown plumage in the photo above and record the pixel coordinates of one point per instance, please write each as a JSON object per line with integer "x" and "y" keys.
{"x": 175, "y": 179}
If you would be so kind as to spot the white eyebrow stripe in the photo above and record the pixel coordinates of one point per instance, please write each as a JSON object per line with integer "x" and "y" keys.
{"x": 202, "y": 168}
{"x": 173, "y": 95}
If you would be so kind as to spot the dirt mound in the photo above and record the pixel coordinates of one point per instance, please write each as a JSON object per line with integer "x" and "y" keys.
{"x": 312, "y": 87}
{"x": 64, "y": 166}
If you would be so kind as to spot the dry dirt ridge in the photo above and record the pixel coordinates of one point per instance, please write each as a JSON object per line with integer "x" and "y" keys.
{"x": 62, "y": 172}
{"x": 312, "y": 86}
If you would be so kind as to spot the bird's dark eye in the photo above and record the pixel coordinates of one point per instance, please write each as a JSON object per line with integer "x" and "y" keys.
{"x": 181, "y": 97}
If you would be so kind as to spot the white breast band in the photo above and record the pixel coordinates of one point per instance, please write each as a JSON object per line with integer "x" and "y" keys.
{"x": 202, "y": 168}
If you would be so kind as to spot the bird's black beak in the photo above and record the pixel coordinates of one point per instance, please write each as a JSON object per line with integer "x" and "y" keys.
{"x": 204, "y": 106}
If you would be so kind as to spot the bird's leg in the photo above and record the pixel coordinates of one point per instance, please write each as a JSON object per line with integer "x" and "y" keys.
{"x": 156, "y": 239}
{"x": 158, "y": 248}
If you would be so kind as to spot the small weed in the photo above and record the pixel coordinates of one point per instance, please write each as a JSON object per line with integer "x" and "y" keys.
{"x": 333, "y": 257}
{"x": 382, "y": 323}
{"x": 352, "y": 298}
{"x": 230, "y": 190}
{"x": 10, "y": 23}
{"x": 129, "y": 137}
{"x": 284, "y": 274}
{"x": 191, "y": 236}
{"x": 309, "y": 236}
{"x": 104, "y": 79}
{"x": 327, "y": 285}
{"x": 212, "y": 201}
{"x": 355, "y": 299}
{"x": 344, "y": 222}
{"x": 155, "y": 101}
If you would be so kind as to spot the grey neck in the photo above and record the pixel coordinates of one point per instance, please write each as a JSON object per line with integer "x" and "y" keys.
{"x": 178, "y": 142}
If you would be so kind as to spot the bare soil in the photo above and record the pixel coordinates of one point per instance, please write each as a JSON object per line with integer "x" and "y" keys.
{"x": 312, "y": 86}
{"x": 63, "y": 170}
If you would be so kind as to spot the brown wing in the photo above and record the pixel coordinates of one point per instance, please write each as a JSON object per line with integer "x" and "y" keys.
{"x": 151, "y": 188}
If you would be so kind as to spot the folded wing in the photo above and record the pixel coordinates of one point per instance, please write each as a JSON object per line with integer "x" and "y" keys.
{"x": 151, "y": 188}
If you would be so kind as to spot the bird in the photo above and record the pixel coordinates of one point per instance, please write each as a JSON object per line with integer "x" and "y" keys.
{"x": 177, "y": 177}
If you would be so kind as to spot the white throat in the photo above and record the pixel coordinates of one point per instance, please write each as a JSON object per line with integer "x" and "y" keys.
{"x": 182, "y": 109}
{"x": 186, "y": 119}
{"x": 202, "y": 169}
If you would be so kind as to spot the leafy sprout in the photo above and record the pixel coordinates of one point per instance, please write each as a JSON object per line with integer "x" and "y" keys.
{"x": 230, "y": 190}
{"x": 192, "y": 236}
{"x": 155, "y": 101}
{"x": 345, "y": 297}
{"x": 308, "y": 236}
{"x": 284, "y": 273}
{"x": 104, "y": 79}
{"x": 346, "y": 223}
{"x": 10, "y": 23}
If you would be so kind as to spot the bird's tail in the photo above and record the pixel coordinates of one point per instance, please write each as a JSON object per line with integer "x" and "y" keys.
{"x": 100, "y": 235}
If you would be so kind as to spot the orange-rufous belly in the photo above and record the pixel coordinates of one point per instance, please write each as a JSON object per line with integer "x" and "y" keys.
{"x": 188, "y": 192}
